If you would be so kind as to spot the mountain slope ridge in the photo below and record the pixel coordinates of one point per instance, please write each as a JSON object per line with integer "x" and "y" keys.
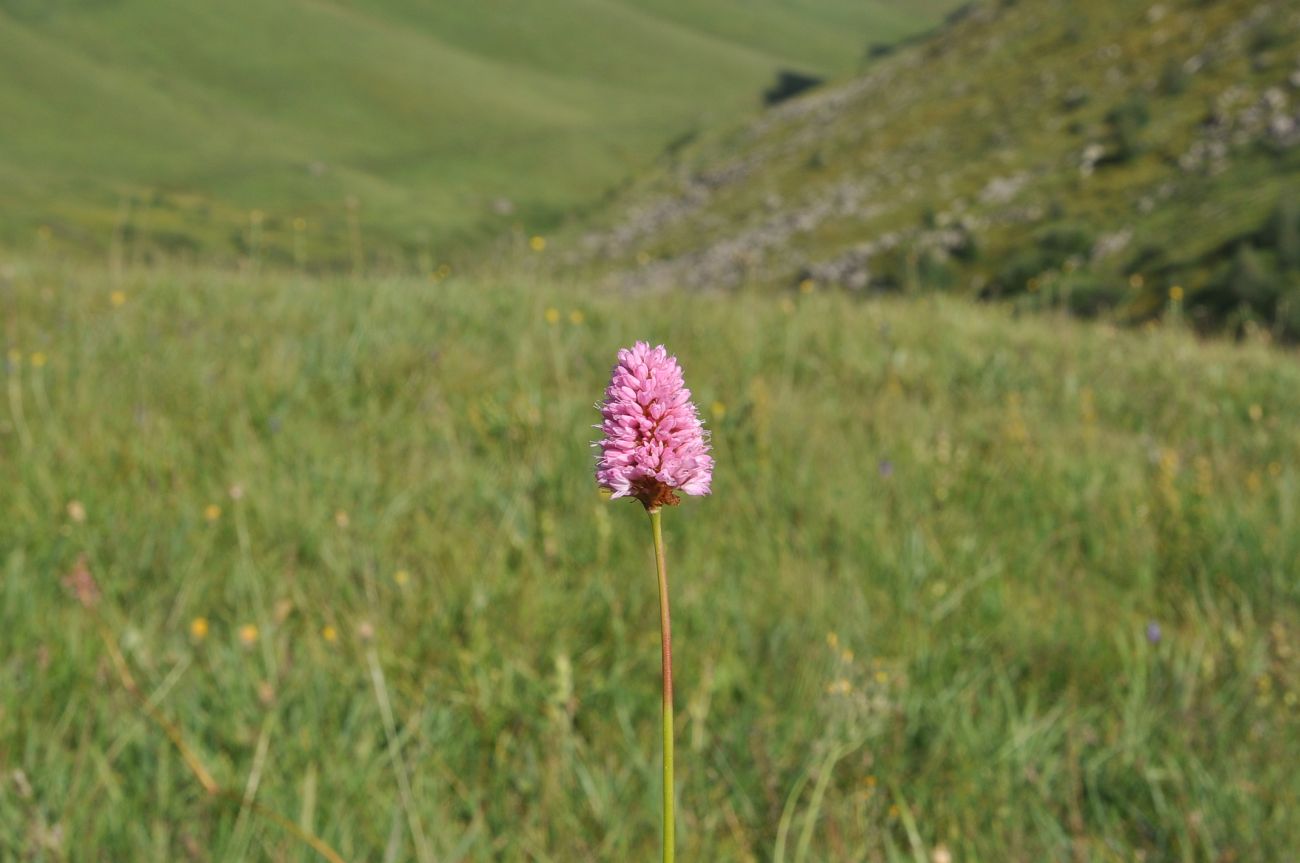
{"x": 1091, "y": 156}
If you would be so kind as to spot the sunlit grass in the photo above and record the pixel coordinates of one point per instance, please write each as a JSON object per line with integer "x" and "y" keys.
{"x": 917, "y": 607}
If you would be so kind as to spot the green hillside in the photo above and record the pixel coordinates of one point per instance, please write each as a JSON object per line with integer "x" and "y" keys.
{"x": 1105, "y": 157}
{"x": 171, "y": 123}
{"x": 1017, "y": 590}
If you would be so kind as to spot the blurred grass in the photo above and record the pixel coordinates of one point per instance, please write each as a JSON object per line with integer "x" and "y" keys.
{"x": 913, "y": 615}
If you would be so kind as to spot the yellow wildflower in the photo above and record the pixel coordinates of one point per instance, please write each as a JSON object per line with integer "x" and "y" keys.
{"x": 199, "y": 628}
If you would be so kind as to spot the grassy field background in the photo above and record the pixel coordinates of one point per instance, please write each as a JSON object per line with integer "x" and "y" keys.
{"x": 1013, "y": 589}
{"x": 174, "y": 122}
{"x": 978, "y": 581}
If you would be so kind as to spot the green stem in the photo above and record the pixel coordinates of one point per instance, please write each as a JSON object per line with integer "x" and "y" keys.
{"x": 665, "y": 629}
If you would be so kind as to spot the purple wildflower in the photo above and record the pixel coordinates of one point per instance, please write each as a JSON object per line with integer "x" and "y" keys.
{"x": 1153, "y": 632}
{"x": 654, "y": 443}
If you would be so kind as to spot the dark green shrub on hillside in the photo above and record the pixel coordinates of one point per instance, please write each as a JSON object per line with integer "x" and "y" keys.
{"x": 1075, "y": 98}
{"x": 1149, "y": 258}
{"x": 1124, "y": 125}
{"x": 894, "y": 270}
{"x": 912, "y": 270}
{"x": 1265, "y": 35}
{"x": 966, "y": 249}
{"x": 789, "y": 84}
{"x": 1253, "y": 280}
{"x": 1065, "y": 239}
{"x": 1249, "y": 283}
{"x": 1089, "y": 294}
{"x": 935, "y": 271}
{"x": 1048, "y": 249}
{"x": 1020, "y": 267}
{"x": 1282, "y": 233}
{"x": 1288, "y": 312}
{"x": 1173, "y": 78}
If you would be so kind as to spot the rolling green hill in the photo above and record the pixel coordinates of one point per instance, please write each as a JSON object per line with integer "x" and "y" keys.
{"x": 1105, "y": 157}
{"x": 168, "y": 124}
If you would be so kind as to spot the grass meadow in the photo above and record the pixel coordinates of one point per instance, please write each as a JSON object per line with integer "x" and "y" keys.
{"x": 969, "y": 587}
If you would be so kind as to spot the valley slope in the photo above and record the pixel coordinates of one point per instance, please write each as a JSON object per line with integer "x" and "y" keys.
{"x": 287, "y": 129}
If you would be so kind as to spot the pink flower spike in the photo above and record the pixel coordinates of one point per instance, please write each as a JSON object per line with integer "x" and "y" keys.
{"x": 654, "y": 443}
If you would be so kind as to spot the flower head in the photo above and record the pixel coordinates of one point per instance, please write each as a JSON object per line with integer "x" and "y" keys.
{"x": 654, "y": 444}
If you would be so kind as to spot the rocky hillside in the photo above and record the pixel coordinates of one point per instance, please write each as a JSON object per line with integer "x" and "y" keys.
{"x": 1107, "y": 157}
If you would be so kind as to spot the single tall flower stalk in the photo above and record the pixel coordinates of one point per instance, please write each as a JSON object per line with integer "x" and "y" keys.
{"x": 654, "y": 446}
